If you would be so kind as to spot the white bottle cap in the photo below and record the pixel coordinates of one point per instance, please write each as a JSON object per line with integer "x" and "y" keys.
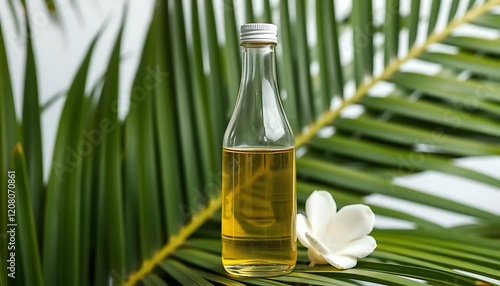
{"x": 259, "y": 33}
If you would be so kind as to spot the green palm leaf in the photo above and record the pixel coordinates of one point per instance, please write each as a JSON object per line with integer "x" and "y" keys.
{"x": 141, "y": 198}
{"x": 110, "y": 248}
{"x": 8, "y": 133}
{"x": 456, "y": 146}
{"x": 150, "y": 184}
{"x": 62, "y": 220}
{"x": 31, "y": 133}
{"x": 25, "y": 222}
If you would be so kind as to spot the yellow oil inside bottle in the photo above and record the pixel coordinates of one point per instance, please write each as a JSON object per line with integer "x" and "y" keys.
{"x": 258, "y": 211}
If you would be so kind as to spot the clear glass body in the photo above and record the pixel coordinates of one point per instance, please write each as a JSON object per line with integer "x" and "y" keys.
{"x": 258, "y": 188}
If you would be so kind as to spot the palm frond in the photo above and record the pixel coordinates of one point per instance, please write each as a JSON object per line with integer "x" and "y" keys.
{"x": 30, "y": 255}
{"x": 31, "y": 132}
{"x": 110, "y": 243}
{"x": 150, "y": 184}
{"x": 62, "y": 220}
{"x": 8, "y": 126}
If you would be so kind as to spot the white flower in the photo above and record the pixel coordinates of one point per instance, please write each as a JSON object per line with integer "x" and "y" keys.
{"x": 338, "y": 238}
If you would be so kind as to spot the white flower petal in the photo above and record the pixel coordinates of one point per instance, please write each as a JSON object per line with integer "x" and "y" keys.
{"x": 320, "y": 209}
{"x": 303, "y": 226}
{"x": 315, "y": 257}
{"x": 350, "y": 223}
{"x": 317, "y": 245}
{"x": 341, "y": 262}
{"x": 360, "y": 247}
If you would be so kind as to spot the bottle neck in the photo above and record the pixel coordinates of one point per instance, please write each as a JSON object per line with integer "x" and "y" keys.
{"x": 258, "y": 119}
{"x": 259, "y": 66}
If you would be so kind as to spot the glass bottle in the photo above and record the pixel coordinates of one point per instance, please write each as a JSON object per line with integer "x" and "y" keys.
{"x": 259, "y": 200}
